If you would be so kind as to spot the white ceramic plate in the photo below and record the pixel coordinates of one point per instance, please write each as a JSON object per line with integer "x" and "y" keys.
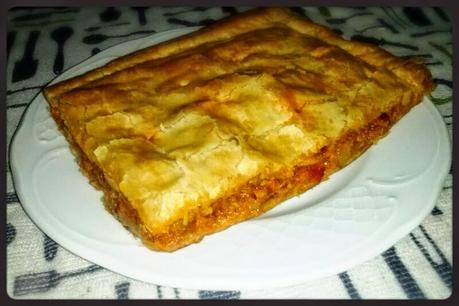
{"x": 358, "y": 213}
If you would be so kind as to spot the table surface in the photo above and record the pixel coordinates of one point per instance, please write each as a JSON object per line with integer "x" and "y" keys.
{"x": 419, "y": 266}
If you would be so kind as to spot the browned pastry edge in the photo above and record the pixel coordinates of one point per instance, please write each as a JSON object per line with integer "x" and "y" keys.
{"x": 251, "y": 200}
{"x": 409, "y": 70}
{"x": 259, "y": 194}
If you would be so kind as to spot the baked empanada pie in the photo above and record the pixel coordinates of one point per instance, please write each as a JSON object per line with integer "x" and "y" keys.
{"x": 193, "y": 135}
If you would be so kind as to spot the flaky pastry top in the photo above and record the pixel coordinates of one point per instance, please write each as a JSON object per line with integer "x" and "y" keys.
{"x": 177, "y": 126}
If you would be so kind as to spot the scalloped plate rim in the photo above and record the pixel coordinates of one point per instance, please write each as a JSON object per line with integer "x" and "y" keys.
{"x": 216, "y": 284}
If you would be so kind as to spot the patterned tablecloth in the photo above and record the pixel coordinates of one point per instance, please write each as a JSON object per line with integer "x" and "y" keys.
{"x": 419, "y": 266}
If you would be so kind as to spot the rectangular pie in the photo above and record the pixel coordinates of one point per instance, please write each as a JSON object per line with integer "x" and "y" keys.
{"x": 193, "y": 135}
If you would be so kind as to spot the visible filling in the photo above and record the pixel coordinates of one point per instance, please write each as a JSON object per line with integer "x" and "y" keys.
{"x": 252, "y": 199}
{"x": 189, "y": 145}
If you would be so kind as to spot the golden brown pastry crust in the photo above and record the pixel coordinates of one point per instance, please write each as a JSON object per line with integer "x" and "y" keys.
{"x": 198, "y": 133}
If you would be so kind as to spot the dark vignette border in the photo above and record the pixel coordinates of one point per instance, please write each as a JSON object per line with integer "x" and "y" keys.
{"x": 7, "y": 4}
